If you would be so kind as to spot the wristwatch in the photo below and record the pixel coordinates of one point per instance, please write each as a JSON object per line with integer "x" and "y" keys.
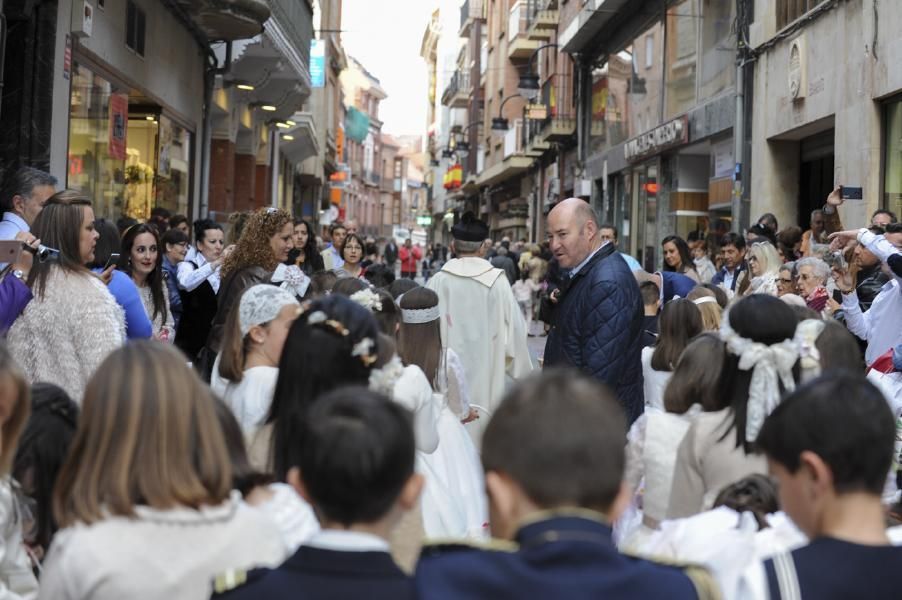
{"x": 19, "y": 274}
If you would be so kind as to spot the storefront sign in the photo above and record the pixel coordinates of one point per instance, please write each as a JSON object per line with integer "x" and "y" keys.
{"x": 425, "y": 220}
{"x": 118, "y": 125}
{"x": 536, "y": 112}
{"x": 317, "y": 63}
{"x": 666, "y": 136}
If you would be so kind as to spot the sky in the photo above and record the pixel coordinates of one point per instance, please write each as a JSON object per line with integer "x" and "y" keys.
{"x": 385, "y": 36}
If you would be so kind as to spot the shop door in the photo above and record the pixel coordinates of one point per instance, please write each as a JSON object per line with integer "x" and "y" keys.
{"x": 816, "y": 174}
{"x": 645, "y": 193}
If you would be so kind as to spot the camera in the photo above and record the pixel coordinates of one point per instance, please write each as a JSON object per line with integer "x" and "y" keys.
{"x": 836, "y": 260}
{"x": 43, "y": 253}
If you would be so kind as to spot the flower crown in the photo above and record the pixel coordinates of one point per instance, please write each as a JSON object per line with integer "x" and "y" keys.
{"x": 368, "y": 299}
{"x": 365, "y": 349}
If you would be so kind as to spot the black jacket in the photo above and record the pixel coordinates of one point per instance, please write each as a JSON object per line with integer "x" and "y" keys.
{"x": 598, "y": 326}
{"x": 870, "y": 282}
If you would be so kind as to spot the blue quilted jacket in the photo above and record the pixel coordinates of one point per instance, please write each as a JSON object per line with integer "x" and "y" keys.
{"x": 598, "y": 328}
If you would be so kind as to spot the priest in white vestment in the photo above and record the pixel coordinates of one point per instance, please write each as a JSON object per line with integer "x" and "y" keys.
{"x": 481, "y": 320}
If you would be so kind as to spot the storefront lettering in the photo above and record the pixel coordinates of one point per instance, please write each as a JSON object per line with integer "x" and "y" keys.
{"x": 660, "y": 138}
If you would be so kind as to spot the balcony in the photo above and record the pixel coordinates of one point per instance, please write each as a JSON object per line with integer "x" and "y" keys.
{"x": 519, "y": 45}
{"x": 371, "y": 178}
{"x": 541, "y": 19}
{"x": 469, "y": 13}
{"x": 557, "y": 95}
{"x": 457, "y": 94}
{"x": 227, "y": 20}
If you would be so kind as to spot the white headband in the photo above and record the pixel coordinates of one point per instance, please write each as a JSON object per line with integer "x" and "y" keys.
{"x": 261, "y": 304}
{"x": 704, "y": 300}
{"x": 416, "y": 316}
{"x": 769, "y": 365}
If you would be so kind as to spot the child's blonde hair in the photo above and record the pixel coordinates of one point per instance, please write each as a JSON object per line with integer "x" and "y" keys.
{"x": 15, "y": 423}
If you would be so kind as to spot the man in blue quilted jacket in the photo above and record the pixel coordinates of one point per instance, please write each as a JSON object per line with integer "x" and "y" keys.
{"x": 598, "y": 320}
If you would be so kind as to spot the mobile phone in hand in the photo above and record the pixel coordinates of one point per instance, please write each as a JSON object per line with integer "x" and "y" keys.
{"x": 851, "y": 193}
{"x": 112, "y": 262}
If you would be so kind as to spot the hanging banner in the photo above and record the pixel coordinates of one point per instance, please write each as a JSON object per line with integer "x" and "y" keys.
{"x": 317, "y": 63}
{"x": 118, "y": 125}
{"x": 357, "y": 125}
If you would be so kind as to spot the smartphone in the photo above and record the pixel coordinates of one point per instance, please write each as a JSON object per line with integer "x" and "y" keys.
{"x": 113, "y": 261}
{"x": 10, "y": 250}
{"x": 851, "y": 193}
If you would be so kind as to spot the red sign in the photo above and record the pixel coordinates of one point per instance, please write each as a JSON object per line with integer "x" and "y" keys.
{"x": 118, "y": 125}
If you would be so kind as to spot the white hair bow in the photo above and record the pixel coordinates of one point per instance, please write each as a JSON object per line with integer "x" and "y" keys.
{"x": 770, "y": 365}
{"x": 291, "y": 279}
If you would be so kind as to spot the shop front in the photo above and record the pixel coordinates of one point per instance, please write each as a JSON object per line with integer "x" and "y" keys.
{"x": 127, "y": 153}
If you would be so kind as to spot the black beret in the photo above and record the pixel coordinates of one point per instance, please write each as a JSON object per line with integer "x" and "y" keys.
{"x": 470, "y": 229}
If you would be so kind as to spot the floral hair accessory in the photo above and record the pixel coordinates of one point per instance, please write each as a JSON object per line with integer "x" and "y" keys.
{"x": 364, "y": 349}
{"x": 805, "y": 341}
{"x": 770, "y": 365}
{"x": 261, "y": 304}
{"x": 368, "y": 299}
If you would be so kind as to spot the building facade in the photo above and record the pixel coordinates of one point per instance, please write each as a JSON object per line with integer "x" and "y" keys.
{"x": 827, "y": 111}
{"x": 201, "y": 108}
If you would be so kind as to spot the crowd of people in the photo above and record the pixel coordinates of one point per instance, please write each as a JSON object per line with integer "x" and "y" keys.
{"x": 243, "y": 410}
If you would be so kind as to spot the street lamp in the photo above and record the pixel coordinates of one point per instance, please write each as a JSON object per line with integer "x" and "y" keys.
{"x": 499, "y": 123}
{"x": 529, "y": 81}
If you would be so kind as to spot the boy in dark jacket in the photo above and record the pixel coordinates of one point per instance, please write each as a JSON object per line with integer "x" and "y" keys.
{"x": 354, "y": 464}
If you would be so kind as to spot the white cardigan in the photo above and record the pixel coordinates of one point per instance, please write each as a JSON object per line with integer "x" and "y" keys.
{"x": 63, "y": 337}
{"x": 160, "y": 554}
{"x": 16, "y": 577}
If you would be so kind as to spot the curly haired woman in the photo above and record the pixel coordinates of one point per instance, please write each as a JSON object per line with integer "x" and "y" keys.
{"x": 265, "y": 242}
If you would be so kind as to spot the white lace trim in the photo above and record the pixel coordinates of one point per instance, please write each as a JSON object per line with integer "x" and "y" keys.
{"x": 416, "y": 316}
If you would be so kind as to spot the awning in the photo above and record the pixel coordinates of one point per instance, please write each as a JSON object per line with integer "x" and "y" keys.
{"x": 227, "y": 20}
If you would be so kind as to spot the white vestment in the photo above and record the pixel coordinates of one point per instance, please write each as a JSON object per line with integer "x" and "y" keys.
{"x": 481, "y": 321}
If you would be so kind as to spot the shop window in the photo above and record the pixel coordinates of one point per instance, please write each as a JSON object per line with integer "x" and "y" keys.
{"x": 790, "y": 10}
{"x": 135, "y": 25}
{"x": 124, "y": 155}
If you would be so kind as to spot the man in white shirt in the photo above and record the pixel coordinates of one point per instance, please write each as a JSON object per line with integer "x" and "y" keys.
{"x": 332, "y": 254}
{"x": 881, "y": 325}
{"x": 22, "y": 200}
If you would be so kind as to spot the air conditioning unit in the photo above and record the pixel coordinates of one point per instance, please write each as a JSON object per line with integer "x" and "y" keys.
{"x": 582, "y": 187}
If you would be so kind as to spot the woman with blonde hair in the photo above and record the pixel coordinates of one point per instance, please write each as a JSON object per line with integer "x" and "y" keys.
{"x": 73, "y": 322}
{"x": 266, "y": 240}
{"x": 144, "y": 498}
{"x": 764, "y": 265}
{"x": 16, "y": 577}
{"x": 706, "y": 301}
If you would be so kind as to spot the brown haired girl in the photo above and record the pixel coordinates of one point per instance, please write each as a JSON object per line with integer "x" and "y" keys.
{"x": 144, "y": 498}
{"x": 453, "y": 500}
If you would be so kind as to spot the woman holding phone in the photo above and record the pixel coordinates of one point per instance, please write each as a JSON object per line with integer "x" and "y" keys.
{"x": 78, "y": 335}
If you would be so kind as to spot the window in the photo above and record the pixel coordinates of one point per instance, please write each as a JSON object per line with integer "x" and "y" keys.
{"x": 135, "y": 25}
{"x": 790, "y": 10}
{"x": 649, "y": 51}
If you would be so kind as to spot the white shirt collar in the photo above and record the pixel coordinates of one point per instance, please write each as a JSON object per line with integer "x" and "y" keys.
{"x": 578, "y": 267}
{"x": 11, "y": 217}
{"x": 348, "y": 541}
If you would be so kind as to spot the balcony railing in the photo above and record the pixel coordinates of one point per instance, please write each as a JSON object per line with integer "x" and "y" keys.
{"x": 541, "y": 18}
{"x": 519, "y": 46}
{"x": 457, "y": 94}
{"x": 513, "y": 138}
{"x": 557, "y": 95}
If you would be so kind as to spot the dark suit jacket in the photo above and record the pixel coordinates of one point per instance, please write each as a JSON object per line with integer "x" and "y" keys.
{"x": 316, "y": 574}
{"x": 561, "y": 558}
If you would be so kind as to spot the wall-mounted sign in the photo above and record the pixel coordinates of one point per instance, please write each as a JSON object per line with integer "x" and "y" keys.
{"x": 425, "y": 220}
{"x": 118, "y": 125}
{"x": 668, "y": 135}
{"x": 537, "y": 112}
{"x": 317, "y": 63}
